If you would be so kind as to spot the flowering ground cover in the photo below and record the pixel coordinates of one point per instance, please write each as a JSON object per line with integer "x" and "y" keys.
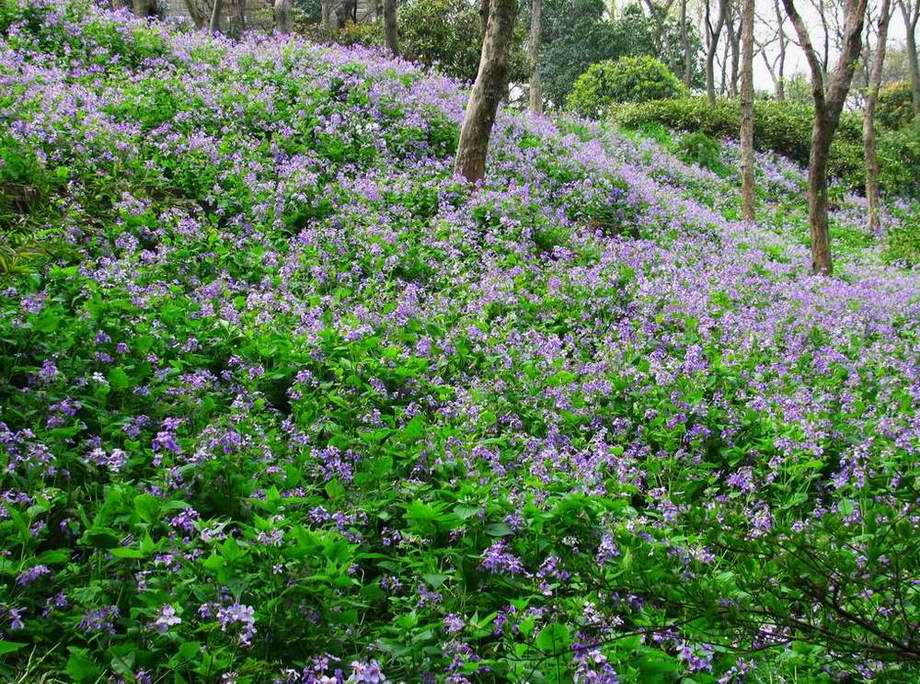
{"x": 285, "y": 401}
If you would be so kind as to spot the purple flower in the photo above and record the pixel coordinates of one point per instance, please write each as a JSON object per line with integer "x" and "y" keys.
{"x": 497, "y": 559}
{"x": 16, "y": 622}
{"x": 49, "y": 371}
{"x": 238, "y": 614}
{"x": 453, "y": 623}
{"x": 32, "y": 574}
{"x": 100, "y": 620}
{"x": 166, "y": 619}
{"x": 607, "y": 550}
{"x": 366, "y": 673}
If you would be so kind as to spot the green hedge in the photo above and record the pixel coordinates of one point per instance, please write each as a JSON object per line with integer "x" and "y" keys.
{"x": 894, "y": 108}
{"x": 628, "y": 79}
{"x": 785, "y": 128}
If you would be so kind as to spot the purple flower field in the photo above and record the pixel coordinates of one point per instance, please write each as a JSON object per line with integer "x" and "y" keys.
{"x": 285, "y": 401}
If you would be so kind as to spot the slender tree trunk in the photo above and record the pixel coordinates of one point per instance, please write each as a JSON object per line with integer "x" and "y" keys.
{"x": 685, "y": 42}
{"x": 712, "y": 48}
{"x": 747, "y": 109}
{"x": 241, "y": 13}
{"x": 390, "y": 35}
{"x": 283, "y": 16}
{"x": 821, "y": 136}
{"x": 490, "y": 85}
{"x": 911, "y": 13}
{"x": 658, "y": 14}
{"x": 781, "y": 68}
{"x": 216, "y": 10}
{"x": 829, "y": 103}
{"x": 875, "y": 80}
{"x": 734, "y": 45}
{"x": 536, "y": 29}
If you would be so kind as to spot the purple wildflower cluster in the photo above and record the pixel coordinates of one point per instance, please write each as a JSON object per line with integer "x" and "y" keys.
{"x": 292, "y": 365}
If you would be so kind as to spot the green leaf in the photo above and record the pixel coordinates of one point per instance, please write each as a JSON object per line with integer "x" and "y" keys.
{"x": 553, "y": 638}
{"x": 123, "y": 663}
{"x": 147, "y": 507}
{"x": 499, "y": 529}
{"x": 189, "y": 649}
{"x": 119, "y": 379}
{"x": 80, "y": 667}
{"x": 435, "y": 580}
{"x": 101, "y": 538}
{"x": 123, "y": 552}
{"x": 47, "y": 321}
{"x": 53, "y": 557}
{"x": 10, "y": 646}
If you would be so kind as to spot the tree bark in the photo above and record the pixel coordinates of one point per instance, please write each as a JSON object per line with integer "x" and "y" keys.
{"x": 685, "y": 42}
{"x": 144, "y": 8}
{"x": 197, "y": 13}
{"x": 326, "y": 13}
{"x": 283, "y": 16}
{"x": 875, "y": 81}
{"x": 910, "y": 10}
{"x": 828, "y": 105}
{"x": 241, "y": 14}
{"x": 216, "y": 10}
{"x": 747, "y": 109}
{"x": 781, "y": 68}
{"x": 713, "y": 45}
{"x": 487, "y": 91}
{"x": 390, "y": 35}
{"x": 536, "y": 28}
{"x": 734, "y": 44}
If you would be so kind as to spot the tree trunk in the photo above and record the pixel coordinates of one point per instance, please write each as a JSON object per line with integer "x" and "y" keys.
{"x": 911, "y": 13}
{"x": 389, "y": 27}
{"x": 326, "y": 12}
{"x": 828, "y": 106}
{"x": 821, "y": 135}
{"x": 685, "y": 41}
{"x": 216, "y": 10}
{"x": 241, "y": 14}
{"x": 658, "y": 14}
{"x": 734, "y": 44}
{"x": 875, "y": 80}
{"x": 144, "y": 8}
{"x": 283, "y": 16}
{"x": 536, "y": 28}
{"x": 487, "y": 91}
{"x": 781, "y": 68}
{"x": 713, "y": 34}
{"x": 197, "y": 13}
{"x": 484, "y": 15}
{"x": 747, "y": 109}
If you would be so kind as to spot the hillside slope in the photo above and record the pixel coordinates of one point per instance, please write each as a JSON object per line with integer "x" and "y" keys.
{"x": 288, "y": 398}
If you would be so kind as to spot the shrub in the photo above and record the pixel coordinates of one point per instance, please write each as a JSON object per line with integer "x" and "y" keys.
{"x": 447, "y": 33}
{"x": 894, "y": 107}
{"x": 629, "y": 79}
{"x": 698, "y": 148}
{"x": 902, "y": 244}
{"x": 781, "y": 127}
{"x": 899, "y": 158}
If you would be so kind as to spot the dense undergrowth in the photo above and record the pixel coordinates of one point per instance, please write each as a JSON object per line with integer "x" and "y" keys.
{"x": 283, "y": 400}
